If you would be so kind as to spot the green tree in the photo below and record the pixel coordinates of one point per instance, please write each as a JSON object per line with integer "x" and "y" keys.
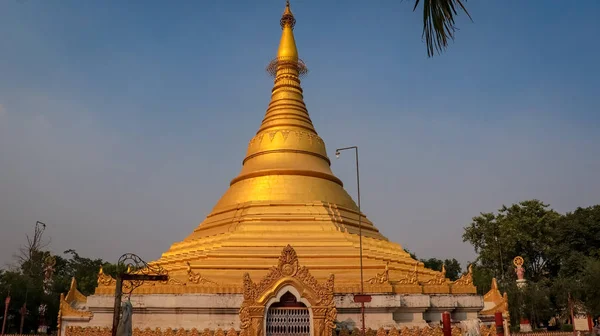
{"x": 577, "y": 237}
{"x": 482, "y": 279}
{"x": 525, "y": 229}
{"x": 453, "y": 269}
{"x": 590, "y": 279}
{"x": 561, "y": 252}
{"x": 531, "y": 302}
{"x": 25, "y": 283}
{"x": 85, "y": 270}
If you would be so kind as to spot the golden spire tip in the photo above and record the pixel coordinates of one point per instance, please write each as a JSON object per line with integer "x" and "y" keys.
{"x": 287, "y": 19}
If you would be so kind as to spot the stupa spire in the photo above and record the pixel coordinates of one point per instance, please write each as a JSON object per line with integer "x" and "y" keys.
{"x": 287, "y": 45}
{"x": 286, "y": 142}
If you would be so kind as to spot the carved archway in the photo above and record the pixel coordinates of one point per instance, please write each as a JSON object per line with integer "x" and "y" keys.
{"x": 287, "y": 275}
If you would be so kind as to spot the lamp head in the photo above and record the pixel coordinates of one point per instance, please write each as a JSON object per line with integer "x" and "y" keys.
{"x": 337, "y": 154}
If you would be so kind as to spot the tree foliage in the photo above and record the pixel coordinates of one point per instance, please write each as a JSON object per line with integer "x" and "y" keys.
{"x": 24, "y": 283}
{"x": 561, "y": 254}
{"x": 453, "y": 269}
{"x": 439, "y": 22}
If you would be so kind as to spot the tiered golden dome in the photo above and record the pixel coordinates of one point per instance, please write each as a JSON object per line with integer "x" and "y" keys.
{"x": 286, "y": 194}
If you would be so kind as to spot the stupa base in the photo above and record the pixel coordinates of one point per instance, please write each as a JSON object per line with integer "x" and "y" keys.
{"x": 222, "y": 311}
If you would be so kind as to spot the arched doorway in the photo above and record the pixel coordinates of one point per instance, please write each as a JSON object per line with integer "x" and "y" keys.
{"x": 308, "y": 308}
{"x": 288, "y": 317}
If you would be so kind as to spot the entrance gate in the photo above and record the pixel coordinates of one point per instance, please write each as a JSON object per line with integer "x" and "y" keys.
{"x": 288, "y": 317}
{"x": 292, "y": 321}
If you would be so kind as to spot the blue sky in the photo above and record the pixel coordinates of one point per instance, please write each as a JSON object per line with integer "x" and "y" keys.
{"x": 122, "y": 122}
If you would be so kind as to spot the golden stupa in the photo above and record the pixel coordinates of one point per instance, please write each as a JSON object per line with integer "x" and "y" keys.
{"x": 286, "y": 194}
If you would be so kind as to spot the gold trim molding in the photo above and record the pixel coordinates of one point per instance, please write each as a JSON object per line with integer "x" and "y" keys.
{"x": 99, "y": 331}
{"x": 405, "y": 331}
{"x": 288, "y": 272}
{"x": 499, "y": 301}
{"x": 464, "y": 285}
{"x": 74, "y": 295}
{"x": 191, "y": 282}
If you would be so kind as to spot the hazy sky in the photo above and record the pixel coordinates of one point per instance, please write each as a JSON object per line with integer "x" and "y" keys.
{"x": 122, "y": 122}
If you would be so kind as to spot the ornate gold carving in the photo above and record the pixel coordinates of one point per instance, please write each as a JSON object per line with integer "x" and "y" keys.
{"x": 106, "y": 284}
{"x": 382, "y": 277}
{"x": 105, "y": 279}
{"x": 74, "y": 295}
{"x": 170, "y": 281}
{"x": 486, "y": 330}
{"x": 439, "y": 278}
{"x": 411, "y": 279}
{"x": 381, "y": 332}
{"x": 499, "y": 301}
{"x": 393, "y": 332}
{"x": 301, "y": 135}
{"x": 287, "y": 271}
{"x": 66, "y": 310}
{"x": 87, "y": 331}
{"x": 465, "y": 279}
{"x": 464, "y": 285}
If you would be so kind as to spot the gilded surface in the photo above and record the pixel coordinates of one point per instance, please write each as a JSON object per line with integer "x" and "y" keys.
{"x": 437, "y": 284}
{"x": 66, "y": 310}
{"x": 414, "y": 331}
{"x": 288, "y": 272}
{"x": 487, "y": 330}
{"x": 74, "y": 295}
{"x": 196, "y": 278}
{"x": 382, "y": 277}
{"x": 97, "y": 331}
{"x": 105, "y": 279}
{"x": 198, "y": 284}
{"x": 497, "y": 301}
{"x": 411, "y": 278}
{"x": 405, "y": 331}
{"x": 286, "y": 193}
{"x": 464, "y": 285}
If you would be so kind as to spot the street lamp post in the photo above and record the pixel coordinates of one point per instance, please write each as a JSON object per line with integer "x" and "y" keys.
{"x": 362, "y": 298}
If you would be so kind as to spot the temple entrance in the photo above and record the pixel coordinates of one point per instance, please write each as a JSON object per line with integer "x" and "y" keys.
{"x": 288, "y": 317}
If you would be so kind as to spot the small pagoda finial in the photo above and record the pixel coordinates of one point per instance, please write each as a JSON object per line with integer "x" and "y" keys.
{"x": 287, "y": 19}
{"x": 287, "y": 54}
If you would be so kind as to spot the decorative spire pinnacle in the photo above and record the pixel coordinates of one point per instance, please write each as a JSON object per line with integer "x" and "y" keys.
{"x": 286, "y": 143}
{"x": 287, "y": 19}
{"x": 287, "y": 54}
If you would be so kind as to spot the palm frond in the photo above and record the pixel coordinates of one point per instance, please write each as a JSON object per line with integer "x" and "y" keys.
{"x": 438, "y": 22}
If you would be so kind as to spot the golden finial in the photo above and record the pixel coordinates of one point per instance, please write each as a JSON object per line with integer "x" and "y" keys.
{"x": 287, "y": 19}
{"x": 287, "y": 54}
